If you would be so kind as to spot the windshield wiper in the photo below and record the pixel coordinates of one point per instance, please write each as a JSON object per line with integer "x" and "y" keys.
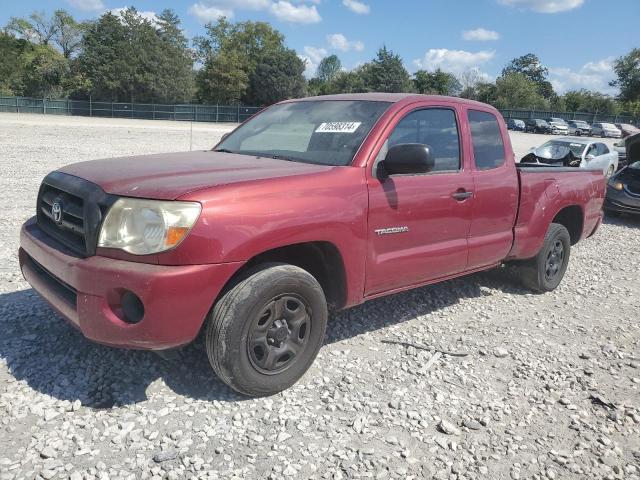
{"x": 223, "y": 150}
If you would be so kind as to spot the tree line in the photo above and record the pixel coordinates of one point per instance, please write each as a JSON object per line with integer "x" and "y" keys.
{"x": 124, "y": 56}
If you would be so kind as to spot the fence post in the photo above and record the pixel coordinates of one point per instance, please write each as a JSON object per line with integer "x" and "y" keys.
{"x": 238, "y": 117}
{"x": 217, "y": 113}
{"x": 44, "y": 106}
{"x": 17, "y": 105}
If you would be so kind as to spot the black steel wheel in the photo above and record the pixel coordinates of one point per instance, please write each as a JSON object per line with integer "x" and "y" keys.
{"x": 266, "y": 329}
{"x": 278, "y": 333}
{"x": 555, "y": 260}
{"x": 544, "y": 272}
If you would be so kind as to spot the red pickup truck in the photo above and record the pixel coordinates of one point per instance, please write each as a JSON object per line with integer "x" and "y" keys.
{"x": 313, "y": 204}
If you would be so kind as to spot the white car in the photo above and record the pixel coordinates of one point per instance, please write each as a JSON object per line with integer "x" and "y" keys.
{"x": 558, "y": 126}
{"x": 605, "y": 130}
{"x": 575, "y": 152}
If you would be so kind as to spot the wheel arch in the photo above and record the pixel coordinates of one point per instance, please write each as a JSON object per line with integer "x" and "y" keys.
{"x": 322, "y": 259}
{"x": 571, "y": 217}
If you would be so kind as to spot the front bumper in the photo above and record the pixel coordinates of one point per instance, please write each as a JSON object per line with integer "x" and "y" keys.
{"x": 609, "y": 134}
{"x": 88, "y": 293}
{"x": 621, "y": 201}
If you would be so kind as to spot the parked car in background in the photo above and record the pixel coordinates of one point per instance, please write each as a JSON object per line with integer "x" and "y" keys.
{"x": 516, "y": 125}
{"x": 579, "y": 128}
{"x": 622, "y": 153}
{"x": 605, "y": 130}
{"x": 537, "y": 125}
{"x": 311, "y": 205}
{"x": 558, "y": 126}
{"x": 623, "y": 188}
{"x": 627, "y": 129}
{"x": 575, "y": 152}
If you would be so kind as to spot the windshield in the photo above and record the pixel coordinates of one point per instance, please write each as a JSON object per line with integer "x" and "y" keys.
{"x": 326, "y": 132}
{"x": 608, "y": 125}
{"x": 555, "y": 149}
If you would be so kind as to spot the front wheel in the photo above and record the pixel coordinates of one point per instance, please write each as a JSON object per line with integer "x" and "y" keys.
{"x": 544, "y": 272}
{"x": 265, "y": 332}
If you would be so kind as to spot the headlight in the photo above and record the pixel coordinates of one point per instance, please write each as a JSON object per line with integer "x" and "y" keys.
{"x": 616, "y": 185}
{"x": 147, "y": 226}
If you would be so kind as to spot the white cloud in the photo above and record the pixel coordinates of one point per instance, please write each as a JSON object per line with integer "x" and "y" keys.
{"x": 294, "y": 11}
{"x": 151, "y": 16}
{"x": 288, "y": 12}
{"x": 87, "y": 5}
{"x": 544, "y": 6}
{"x": 340, "y": 42}
{"x": 454, "y": 61}
{"x": 315, "y": 54}
{"x": 205, "y": 13}
{"x": 356, "y": 6}
{"x": 480, "y": 35}
{"x": 592, "y": 76}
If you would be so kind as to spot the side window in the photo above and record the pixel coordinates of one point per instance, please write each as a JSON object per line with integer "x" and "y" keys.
{"x": 436, "y": 127}
{"x": 488, "y": 146}
{"x": 602, "y": 149}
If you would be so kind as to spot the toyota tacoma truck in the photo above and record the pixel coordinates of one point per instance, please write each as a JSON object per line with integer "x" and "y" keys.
{"x": 312, "y": 205}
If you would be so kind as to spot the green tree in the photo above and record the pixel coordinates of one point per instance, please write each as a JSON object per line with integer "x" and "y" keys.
{"x": 627, "y": 69}
{"x": 436, "y": 83}
{"x": 68, "y": 33}
{"x": 278, "y": 76}
{"x": 530, "y": 66}
{"x": 328, "y": 68}
{"x": 243, "y": 49}
{"x": 349, "y": 82}
{"x": 515, "y": 90}
{"x": 37, "y": 28}
{"x": 386, "y": 73}
{"x": 588, "y": 101}
{"x": 129, "y": 58}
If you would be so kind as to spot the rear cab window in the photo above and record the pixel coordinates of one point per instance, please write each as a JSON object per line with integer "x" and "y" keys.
{"x": 486, "y": 137}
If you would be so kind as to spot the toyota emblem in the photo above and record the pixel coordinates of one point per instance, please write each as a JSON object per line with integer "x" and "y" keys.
{"x": 56, "y": 212}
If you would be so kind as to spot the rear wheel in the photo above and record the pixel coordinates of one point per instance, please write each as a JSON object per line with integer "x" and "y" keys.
{"x": 544, "y": 272}
{"x": 265, "y": 332}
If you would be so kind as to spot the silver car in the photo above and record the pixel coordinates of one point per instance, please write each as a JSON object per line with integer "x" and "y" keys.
{"x": 558, "y": 126}
{"x": 605, "y": 130}
{"x": 576, "y": 152}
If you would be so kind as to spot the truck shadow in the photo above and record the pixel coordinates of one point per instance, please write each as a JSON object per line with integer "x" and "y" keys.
{"x": 53, "y": 358}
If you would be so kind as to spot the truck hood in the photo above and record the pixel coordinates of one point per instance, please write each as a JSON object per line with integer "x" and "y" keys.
{"x": 168, "y": 176}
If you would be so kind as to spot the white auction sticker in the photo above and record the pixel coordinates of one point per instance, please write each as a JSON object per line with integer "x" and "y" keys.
{"x": 338, "y": 127}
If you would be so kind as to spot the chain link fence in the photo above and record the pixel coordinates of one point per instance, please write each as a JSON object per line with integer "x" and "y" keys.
{"x": 587, "y": 117}
{"x": 143, "y": 111}
{"x": 221, "y": 113}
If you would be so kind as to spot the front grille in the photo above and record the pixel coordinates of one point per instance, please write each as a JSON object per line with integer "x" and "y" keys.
{"x": 70, "y": 209}
{"x": 70, "y": 225}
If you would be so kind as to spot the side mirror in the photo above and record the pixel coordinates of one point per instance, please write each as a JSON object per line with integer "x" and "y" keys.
{"x": 408, "y": 158}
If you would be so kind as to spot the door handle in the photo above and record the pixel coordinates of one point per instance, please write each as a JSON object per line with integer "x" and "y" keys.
{"x": 461, "y": 195}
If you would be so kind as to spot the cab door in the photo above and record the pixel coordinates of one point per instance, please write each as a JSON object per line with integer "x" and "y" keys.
{"x": 418, "y": 223}
{"x": 495, "y": 203}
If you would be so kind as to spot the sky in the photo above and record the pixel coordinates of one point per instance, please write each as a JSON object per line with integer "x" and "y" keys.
{"x": 577, "y": 40}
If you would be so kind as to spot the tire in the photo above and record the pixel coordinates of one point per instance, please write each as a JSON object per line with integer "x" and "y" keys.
{"x": 535, "y": 272}
{"x": 264, "y": 333}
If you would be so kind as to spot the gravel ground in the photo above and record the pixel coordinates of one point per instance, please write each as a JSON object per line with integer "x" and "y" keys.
{"x": 472, "y": 378}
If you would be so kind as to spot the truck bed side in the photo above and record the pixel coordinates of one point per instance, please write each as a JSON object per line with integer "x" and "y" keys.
{"x": 567, "y": 195}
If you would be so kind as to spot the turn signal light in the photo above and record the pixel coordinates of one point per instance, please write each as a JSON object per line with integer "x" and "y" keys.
{"x": 618, "y": 186}
{"x": 175, "y": 235}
